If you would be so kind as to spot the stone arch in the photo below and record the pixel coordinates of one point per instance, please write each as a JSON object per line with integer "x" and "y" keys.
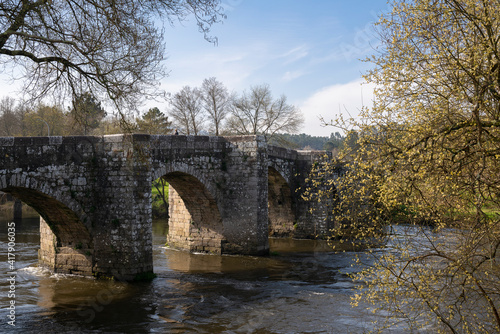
{"x": 65, "y": 241}
{"x": 186, "y": 169}
{"x": 283, "y": 170}
{"x": 195, "y": 222}
{"x": 281, "y": 207}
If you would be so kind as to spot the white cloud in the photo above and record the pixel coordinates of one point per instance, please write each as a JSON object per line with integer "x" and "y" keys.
{"x": 346, "y": 99}
{"x": 230, "y": 65}
{"x": 295, "y": 54}
{"x": 292, "y": 75}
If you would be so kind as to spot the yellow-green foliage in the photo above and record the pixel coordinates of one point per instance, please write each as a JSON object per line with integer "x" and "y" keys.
{"x": 429, "y": 152}
{"x": 159, "y": 194}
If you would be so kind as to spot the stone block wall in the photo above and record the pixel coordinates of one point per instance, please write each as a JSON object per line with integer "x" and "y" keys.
{"x": 222, "y": 182}
{"x": 196, "y": 227}
{"x": 245, "y": 207}
{"x": 281, "y": 207}
{"x": 93, "y": 194}
{"x": 67, "y": 260}
{"x": 48, "y": 244}
{"x": 179, "y": 221}
{"x": 315, "y": 218}
{"x": 122, "y": 228}
{"x": 311, "y": 219}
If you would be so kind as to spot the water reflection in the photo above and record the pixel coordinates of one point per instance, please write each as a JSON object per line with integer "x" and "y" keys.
{"x": 302, "y": 287}
{"x": 241, "y": 266}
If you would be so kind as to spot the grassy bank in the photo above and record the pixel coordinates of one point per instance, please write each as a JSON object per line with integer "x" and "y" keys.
{"x": 159, "y": 194}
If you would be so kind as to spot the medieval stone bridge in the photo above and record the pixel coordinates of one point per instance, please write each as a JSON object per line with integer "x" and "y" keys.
{"x": 227, "y": 195}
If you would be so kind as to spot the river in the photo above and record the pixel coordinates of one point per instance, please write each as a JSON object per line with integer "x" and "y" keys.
{"x": 303, "y": 287}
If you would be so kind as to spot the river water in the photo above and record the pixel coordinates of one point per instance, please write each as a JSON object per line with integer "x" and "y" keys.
{"x": 303, "y": 287}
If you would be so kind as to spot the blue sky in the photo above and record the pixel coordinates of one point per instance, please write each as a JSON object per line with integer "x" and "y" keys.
{"x": 309, "y": 51}
{"x": 306, "y": 50}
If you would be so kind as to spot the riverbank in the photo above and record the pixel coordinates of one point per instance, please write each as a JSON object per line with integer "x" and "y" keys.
{"x": 7, "y": 210}
{"x": 159, "y": 199}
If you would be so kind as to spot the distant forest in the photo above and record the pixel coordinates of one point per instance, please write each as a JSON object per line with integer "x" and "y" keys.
{"x": 305, "y": 141}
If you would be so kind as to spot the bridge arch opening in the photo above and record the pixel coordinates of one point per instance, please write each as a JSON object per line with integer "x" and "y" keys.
{"x": 195, "y": 223}
{"x": 281, "y": 213}
{"x": 65, "y": 242}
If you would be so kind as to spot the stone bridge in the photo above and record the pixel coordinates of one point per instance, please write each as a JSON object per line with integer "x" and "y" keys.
{"x": 226, "y": 195}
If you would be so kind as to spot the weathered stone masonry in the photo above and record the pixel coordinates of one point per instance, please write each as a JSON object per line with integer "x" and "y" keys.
{"x": 289, "y": 215}
{"x": 94, "y": 196}
{"x": 223, "y": 186}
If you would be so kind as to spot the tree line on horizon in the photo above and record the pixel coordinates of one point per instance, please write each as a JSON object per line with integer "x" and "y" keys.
{"x": 207, "y": 110}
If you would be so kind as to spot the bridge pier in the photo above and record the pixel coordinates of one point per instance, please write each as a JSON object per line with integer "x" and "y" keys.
{"x": 63, "y": 259}
{"x": 18, "y": 210}
{"x": 121, "y": 220}
{"x": 197, "y": 231}
{"x": 217, "y": 202}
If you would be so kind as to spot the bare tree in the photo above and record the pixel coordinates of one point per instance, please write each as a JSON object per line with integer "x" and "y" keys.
{"x": 257, "y": 113}
{"x": 112, "y": 49}
{"x": 216, "y": 101}
{"x": 22, "y": 112}
{"x": 9, "y": 122}
{"x": 186, "y": 110}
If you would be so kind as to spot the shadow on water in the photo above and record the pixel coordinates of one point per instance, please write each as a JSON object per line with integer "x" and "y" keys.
{"x": 302, "y": 288}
